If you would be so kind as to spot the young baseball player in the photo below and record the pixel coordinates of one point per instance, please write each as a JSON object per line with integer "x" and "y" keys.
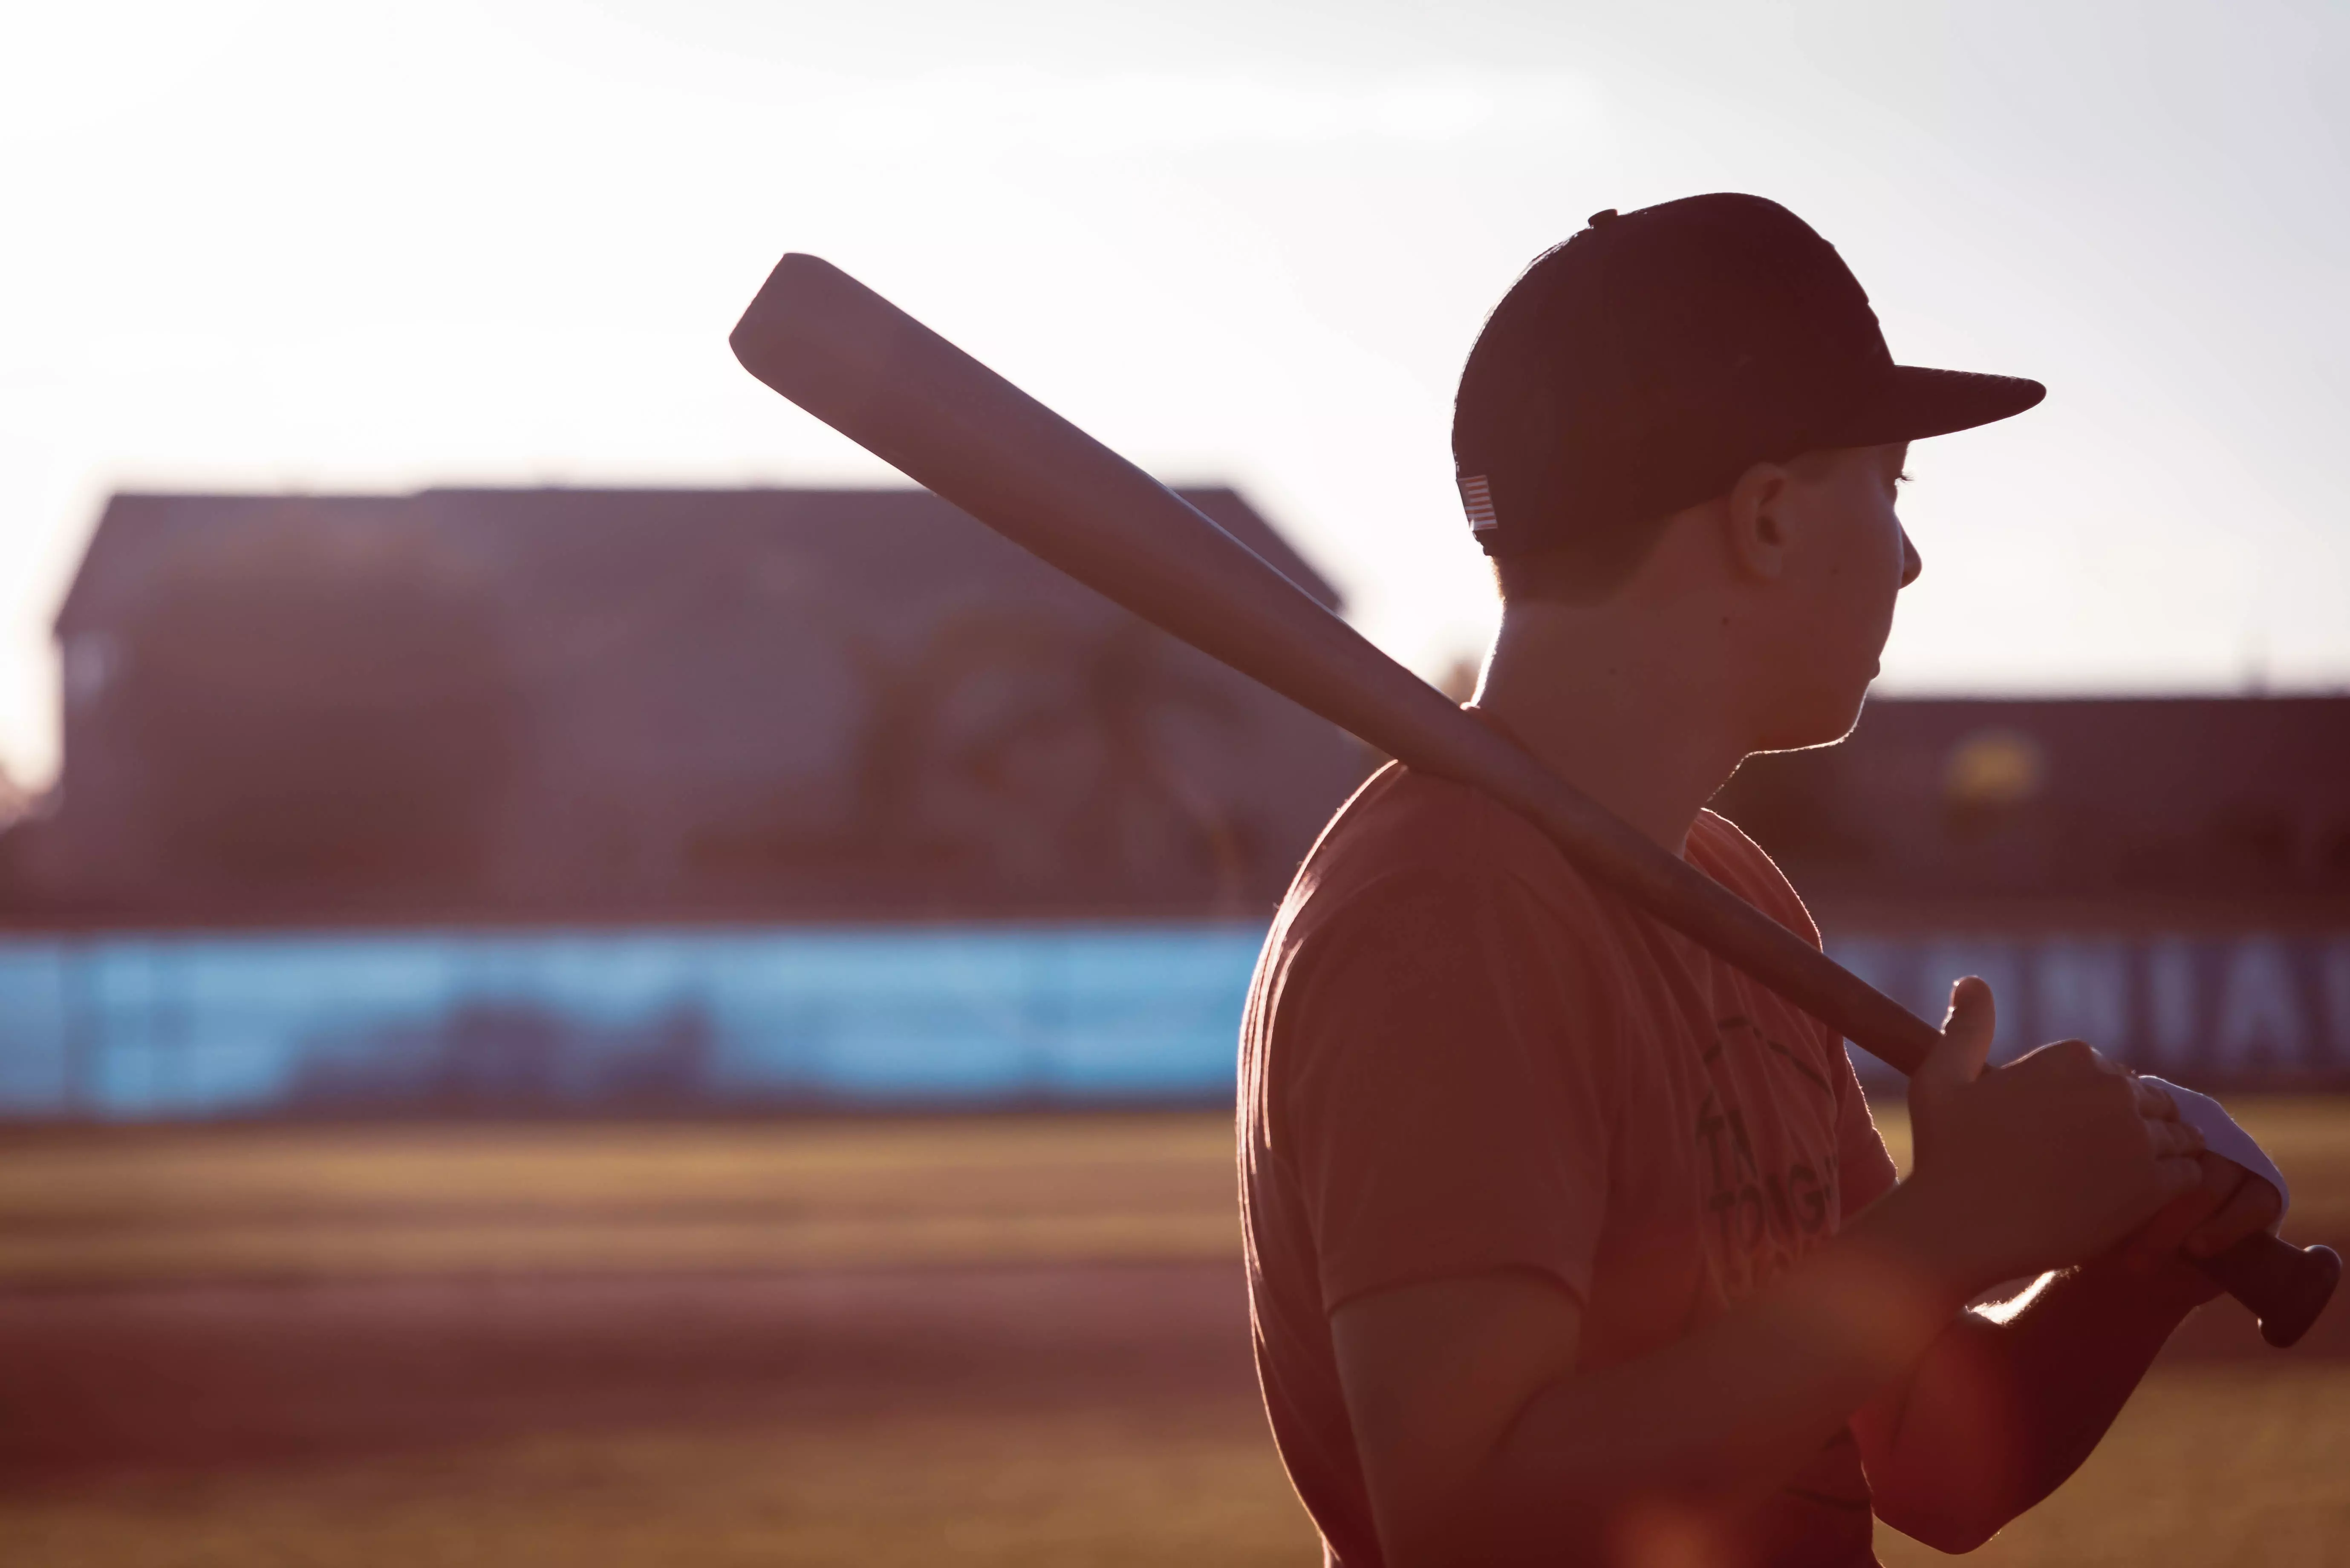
{"x": 1566, "y": 1241}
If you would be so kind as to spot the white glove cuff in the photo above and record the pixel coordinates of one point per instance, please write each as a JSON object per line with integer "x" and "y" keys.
{"x": 2223, "y": 1138}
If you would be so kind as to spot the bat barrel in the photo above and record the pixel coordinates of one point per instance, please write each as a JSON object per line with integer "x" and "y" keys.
{"x": 909, "y": 397}
{"x": 890, "y": 384}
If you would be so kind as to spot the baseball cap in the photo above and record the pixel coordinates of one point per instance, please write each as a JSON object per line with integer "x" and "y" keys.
{"x": 1645, "y": 364}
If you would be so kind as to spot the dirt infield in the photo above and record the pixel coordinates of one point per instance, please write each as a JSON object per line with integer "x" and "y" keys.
{"x": 1048, "y": 1413}
{"x": 221, "y": 1376}
{"x": 359, "y": 1347}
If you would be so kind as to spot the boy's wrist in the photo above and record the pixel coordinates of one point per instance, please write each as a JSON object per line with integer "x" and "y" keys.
{"x": 2168, "y": 1286}
{"x": 1888, "y": 1284}
{"x": 1939, "y": 1236}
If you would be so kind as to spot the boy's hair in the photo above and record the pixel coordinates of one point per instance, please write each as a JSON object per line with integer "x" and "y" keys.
{"x": 1583, "y": 570}
{"x": 1588, "y": 567}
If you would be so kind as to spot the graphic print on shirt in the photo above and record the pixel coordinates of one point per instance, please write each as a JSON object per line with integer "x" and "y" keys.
{"x": 1758, "y": 1221}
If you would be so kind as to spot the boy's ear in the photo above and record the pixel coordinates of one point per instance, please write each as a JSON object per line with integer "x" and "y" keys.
{"x": 1754, "y": 516}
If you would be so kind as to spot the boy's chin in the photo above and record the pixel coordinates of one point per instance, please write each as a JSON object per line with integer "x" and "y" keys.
{"x": 1822, "y": 722}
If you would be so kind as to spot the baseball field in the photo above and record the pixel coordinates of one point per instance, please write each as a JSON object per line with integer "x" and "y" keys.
{"x": 986, "y": 1340}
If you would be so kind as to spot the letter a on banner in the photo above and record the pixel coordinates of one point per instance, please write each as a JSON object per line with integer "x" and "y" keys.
{"x": 2261, "y": 1024}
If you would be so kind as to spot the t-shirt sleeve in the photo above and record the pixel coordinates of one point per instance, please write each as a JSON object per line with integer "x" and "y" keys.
{"x": 1443, "y": 1100}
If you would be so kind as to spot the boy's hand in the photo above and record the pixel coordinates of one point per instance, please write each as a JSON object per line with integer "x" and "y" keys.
{"x": 2227, "y": 1204}
{"x": 2048, "y": 1162}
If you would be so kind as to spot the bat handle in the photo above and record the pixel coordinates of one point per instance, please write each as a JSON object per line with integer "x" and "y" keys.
{"x": 2285, "y": 1286}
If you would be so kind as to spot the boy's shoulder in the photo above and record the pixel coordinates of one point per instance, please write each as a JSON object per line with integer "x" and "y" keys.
{"x": 1720, "y": 848}
{"x": 1404, "y": 830}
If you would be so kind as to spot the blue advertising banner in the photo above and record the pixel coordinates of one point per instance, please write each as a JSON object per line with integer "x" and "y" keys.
{"x": 2243, "y": 1008}
{"x": 139, "y": 1026}
{"x": 136, "y": 1027}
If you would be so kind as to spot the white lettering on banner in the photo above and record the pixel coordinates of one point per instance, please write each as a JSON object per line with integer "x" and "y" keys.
{"x": 2173, "y": 1023}
{"x": 2260, "y": 1023}
{"x": 2338, "y": 999}
{"x": 2081, "y": 989}
{"x": 2236, "y": 1006}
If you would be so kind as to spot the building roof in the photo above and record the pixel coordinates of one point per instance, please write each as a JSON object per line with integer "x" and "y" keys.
{"x": 701, "y": 668}
{"x": 643, "y": 703}
{"x": 2143, "y": 803}
{"x": 866, "y": 543}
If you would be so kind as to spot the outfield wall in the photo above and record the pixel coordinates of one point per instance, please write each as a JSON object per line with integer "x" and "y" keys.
{"x": 123, "y": 1026}
{"x": 2250, "y": 1007}
{"x": 131, "y": 1027}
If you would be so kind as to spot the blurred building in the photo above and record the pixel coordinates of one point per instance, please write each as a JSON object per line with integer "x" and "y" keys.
{"x": 2169, "y": 878}
{"x": 597, "y": 706}
{"x": 2128, "y": 808}
{"x": 477, "y": 800}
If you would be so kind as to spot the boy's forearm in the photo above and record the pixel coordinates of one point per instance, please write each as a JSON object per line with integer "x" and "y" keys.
{"x": 1732, "y": 1411}
{"x": 2004, "y": 1406}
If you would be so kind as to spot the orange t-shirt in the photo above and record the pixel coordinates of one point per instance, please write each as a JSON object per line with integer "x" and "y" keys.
{"x": 1459, "y": 1055}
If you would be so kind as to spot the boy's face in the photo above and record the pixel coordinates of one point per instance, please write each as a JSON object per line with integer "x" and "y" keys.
{"x": 1847, "y": 557}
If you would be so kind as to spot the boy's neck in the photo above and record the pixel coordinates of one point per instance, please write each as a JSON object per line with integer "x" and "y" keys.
{"x": 1638, "y": 711}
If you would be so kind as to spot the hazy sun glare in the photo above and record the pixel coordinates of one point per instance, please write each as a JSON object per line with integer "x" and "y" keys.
{"x": 281, "y": 246}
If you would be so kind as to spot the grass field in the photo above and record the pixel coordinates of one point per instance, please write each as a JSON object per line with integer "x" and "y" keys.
{"x": 973, "y": 1341}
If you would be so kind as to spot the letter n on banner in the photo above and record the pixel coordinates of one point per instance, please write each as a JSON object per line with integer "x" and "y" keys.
{"x": 2081, "y": 990}
{"x": 2262, "y": 1027}
{"x": 2174, "y": 1007}
{"x": 2334, "y": 966}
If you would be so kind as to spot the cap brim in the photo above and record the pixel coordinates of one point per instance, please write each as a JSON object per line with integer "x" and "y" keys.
{"x": 1918, "y": 402}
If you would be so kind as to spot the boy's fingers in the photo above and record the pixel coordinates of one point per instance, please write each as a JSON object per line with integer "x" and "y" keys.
{"x": 2254, "y": 1207}
{"x": 2181, "y": 1174}
{"x": 1965, "y": 1036}
{"x": 2153, "y": 1103}
{"x": 2173, "y": 1139}
{"x": 2162, "y": 1236}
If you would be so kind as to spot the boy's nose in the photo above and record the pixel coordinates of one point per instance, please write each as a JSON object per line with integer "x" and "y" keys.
{"x": 1912, "y": 564}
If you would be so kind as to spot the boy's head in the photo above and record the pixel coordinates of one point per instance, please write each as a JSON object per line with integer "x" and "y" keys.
{"x": 1709, "y": 362}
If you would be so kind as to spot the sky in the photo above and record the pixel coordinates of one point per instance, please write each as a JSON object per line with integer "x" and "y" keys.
{"x": 334, "y": 247}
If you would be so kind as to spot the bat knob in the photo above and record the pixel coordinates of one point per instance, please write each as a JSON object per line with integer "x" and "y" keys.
{"x": 2285, "y": 1286}
{"x": 2288, "y": 1317}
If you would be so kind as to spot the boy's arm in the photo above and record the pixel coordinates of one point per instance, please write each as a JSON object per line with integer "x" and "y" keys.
{"x": 2008, "y": 1403}
{"x": 1481, "y": 1443}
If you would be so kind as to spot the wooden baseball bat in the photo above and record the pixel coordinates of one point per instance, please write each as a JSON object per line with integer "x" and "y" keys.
{"x": 901, "y": 391}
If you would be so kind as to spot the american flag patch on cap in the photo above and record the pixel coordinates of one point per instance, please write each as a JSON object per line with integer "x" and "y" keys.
{"x": 1477, "y": 495}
